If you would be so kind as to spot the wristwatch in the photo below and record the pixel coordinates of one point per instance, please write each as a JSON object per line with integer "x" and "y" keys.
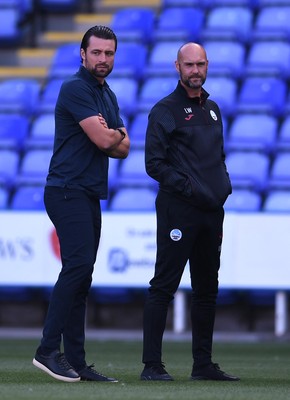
{"x": 122, "y": 133}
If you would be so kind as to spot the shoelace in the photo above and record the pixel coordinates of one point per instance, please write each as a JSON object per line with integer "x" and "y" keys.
{"x": 92, "y": 369}
{"x": 63, "y": 363}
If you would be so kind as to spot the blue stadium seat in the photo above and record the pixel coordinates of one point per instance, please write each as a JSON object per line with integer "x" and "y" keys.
{"x": 10, "y": 32}
{"x": 9, "y": 163}
{"x": 66, "y": 61}
{"x": 113, "y": 173}
{"x": 176, "y": 23}
{"x": 19, "y": 95}
{"x": 228, "y": 23}
{"x": 126, "y": 91}
{"x": 226, "y": 58}
{"x": 133, "y": 199}
{"x": 153, "y": 90}
{"x": 34, "y": 167}
{"x": 138, "y": 130}
{"x": 270, "y": 57}
{"x": 134, "y": 24}
{"x": 243, "y": 200}
{"x": 14, "y": 130}
{"x": 56, "y": 6}
{"x": 279, "y": 177}
{"x": 248, "y": 170}
{"x": 253, "y": 132}
{"x": 132, "y": 171}
{"x": 49, "y": 95}
{"x": 283, "y": 140}
{"x": 272, "y": 23}
{"x": 183, "y": 3}
{"x": 256, "y": 95}
{"x": 28, "y": 198}
{"x": 161, "y": 59}
{"x": 277, "y": 201}
{"x": 137, "y": 54}
{"x": 42, "y": 132}
{"x": 223, "y": 90}
{"x": 4, "y": 196}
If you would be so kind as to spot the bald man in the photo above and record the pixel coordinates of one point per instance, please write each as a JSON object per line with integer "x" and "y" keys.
{"x": 184, "y": 154}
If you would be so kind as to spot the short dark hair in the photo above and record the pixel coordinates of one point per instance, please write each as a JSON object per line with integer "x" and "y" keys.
{"x": 99, "y": 31}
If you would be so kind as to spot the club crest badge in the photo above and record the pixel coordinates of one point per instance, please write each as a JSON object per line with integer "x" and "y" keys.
{"x": 175, "y": 235}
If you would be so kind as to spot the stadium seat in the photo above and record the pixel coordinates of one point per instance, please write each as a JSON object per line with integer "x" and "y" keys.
{"x": 243, "y": 200}
{"x": 49, "y": 95}
{"x": 248, "y": 170}
{"x": 256, "y": 95}
{"x": 226, "y": 58}
{"x": 176, "y": 23}
{"x": 133, "y": 199}
{"x": 270, "y": 57}
{"x": 4, "y": 196}
{"x": 10, "y": 32}
{"x": 223, "y": 90}
{"x": 14, "y": 129}
{"x": 66, "y": 61}
{"x": 9, "y": 162}
{"x": 228, "y": 23}
{"x": 126, "y": 91}
{"x": 283, "y": 140}
{"x": 138, "y": 130}
{"x": 279, "y": 177}
{"x": 19, "y": 95}
{"x": 277, "y": 201}
{"x": 132, "y": 171}
{"x": 253, "y": 132}
{"x": 137, "y": 54}
{"x": 56, "y": 6}
{"x": 182, "y": 3}
{"x": 34, "y": 167}
{"x": 272, "y": 23}
{"x": 161, "y": 59}
{"x": 113, "y": 173}
{"x": 42, "y": 132}
{"x": 28, "y": 198}
{"x": 134, "y": 24}
{"x": 153, "y": 90}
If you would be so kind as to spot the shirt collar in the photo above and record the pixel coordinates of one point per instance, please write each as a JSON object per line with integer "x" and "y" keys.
{"x": 203, "y": 97}
{"x": 87, "y": 76}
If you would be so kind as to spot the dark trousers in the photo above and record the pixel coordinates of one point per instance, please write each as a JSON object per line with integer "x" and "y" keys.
{"x": 77, "y": 219}
{"x": 200, "y": 237}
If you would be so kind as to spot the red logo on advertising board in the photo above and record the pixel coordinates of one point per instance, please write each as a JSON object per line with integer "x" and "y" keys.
{"x": 55, "y": 243}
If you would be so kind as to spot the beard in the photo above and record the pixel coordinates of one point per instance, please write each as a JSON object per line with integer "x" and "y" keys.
{"x": 196, "y": 84}
{"x": 100, "y": 71}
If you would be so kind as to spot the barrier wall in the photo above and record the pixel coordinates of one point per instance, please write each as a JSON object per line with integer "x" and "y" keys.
{"x": 255, "y": 252}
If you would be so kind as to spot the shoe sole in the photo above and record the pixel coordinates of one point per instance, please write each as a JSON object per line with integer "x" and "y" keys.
{"x": 55, "y": 376}
{"x": 149, "y": 378}
{"x": 204, "y": 378}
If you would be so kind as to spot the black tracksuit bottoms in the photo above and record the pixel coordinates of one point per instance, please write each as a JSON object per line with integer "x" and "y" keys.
{"x": 184, "y": 233}
{"x": 77, "y": 219}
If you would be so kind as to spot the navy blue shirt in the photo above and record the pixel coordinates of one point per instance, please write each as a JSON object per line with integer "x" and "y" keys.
{"x": 77, "y": 163}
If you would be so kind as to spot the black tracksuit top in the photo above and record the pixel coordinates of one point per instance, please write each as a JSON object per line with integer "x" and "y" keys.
{"x": 184, "y": 149}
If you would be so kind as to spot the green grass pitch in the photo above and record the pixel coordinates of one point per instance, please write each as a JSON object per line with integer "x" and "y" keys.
{"x": 264, "y": 369}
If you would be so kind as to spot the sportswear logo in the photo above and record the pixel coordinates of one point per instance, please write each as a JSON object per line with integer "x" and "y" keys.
{"x": 189, "y": 117}
{"x": 175, "y": 235}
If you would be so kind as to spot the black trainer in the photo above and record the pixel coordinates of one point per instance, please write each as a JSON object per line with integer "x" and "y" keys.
{"x": 155, "y": 373}
{"x": 56, "y": 365}
{"x": 90, "y": 374}
{"x": 211, "y": 372}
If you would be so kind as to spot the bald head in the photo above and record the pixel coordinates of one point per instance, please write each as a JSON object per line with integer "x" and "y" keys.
{"x": 192, "y": 66}
{"x": 191, "y": 49}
